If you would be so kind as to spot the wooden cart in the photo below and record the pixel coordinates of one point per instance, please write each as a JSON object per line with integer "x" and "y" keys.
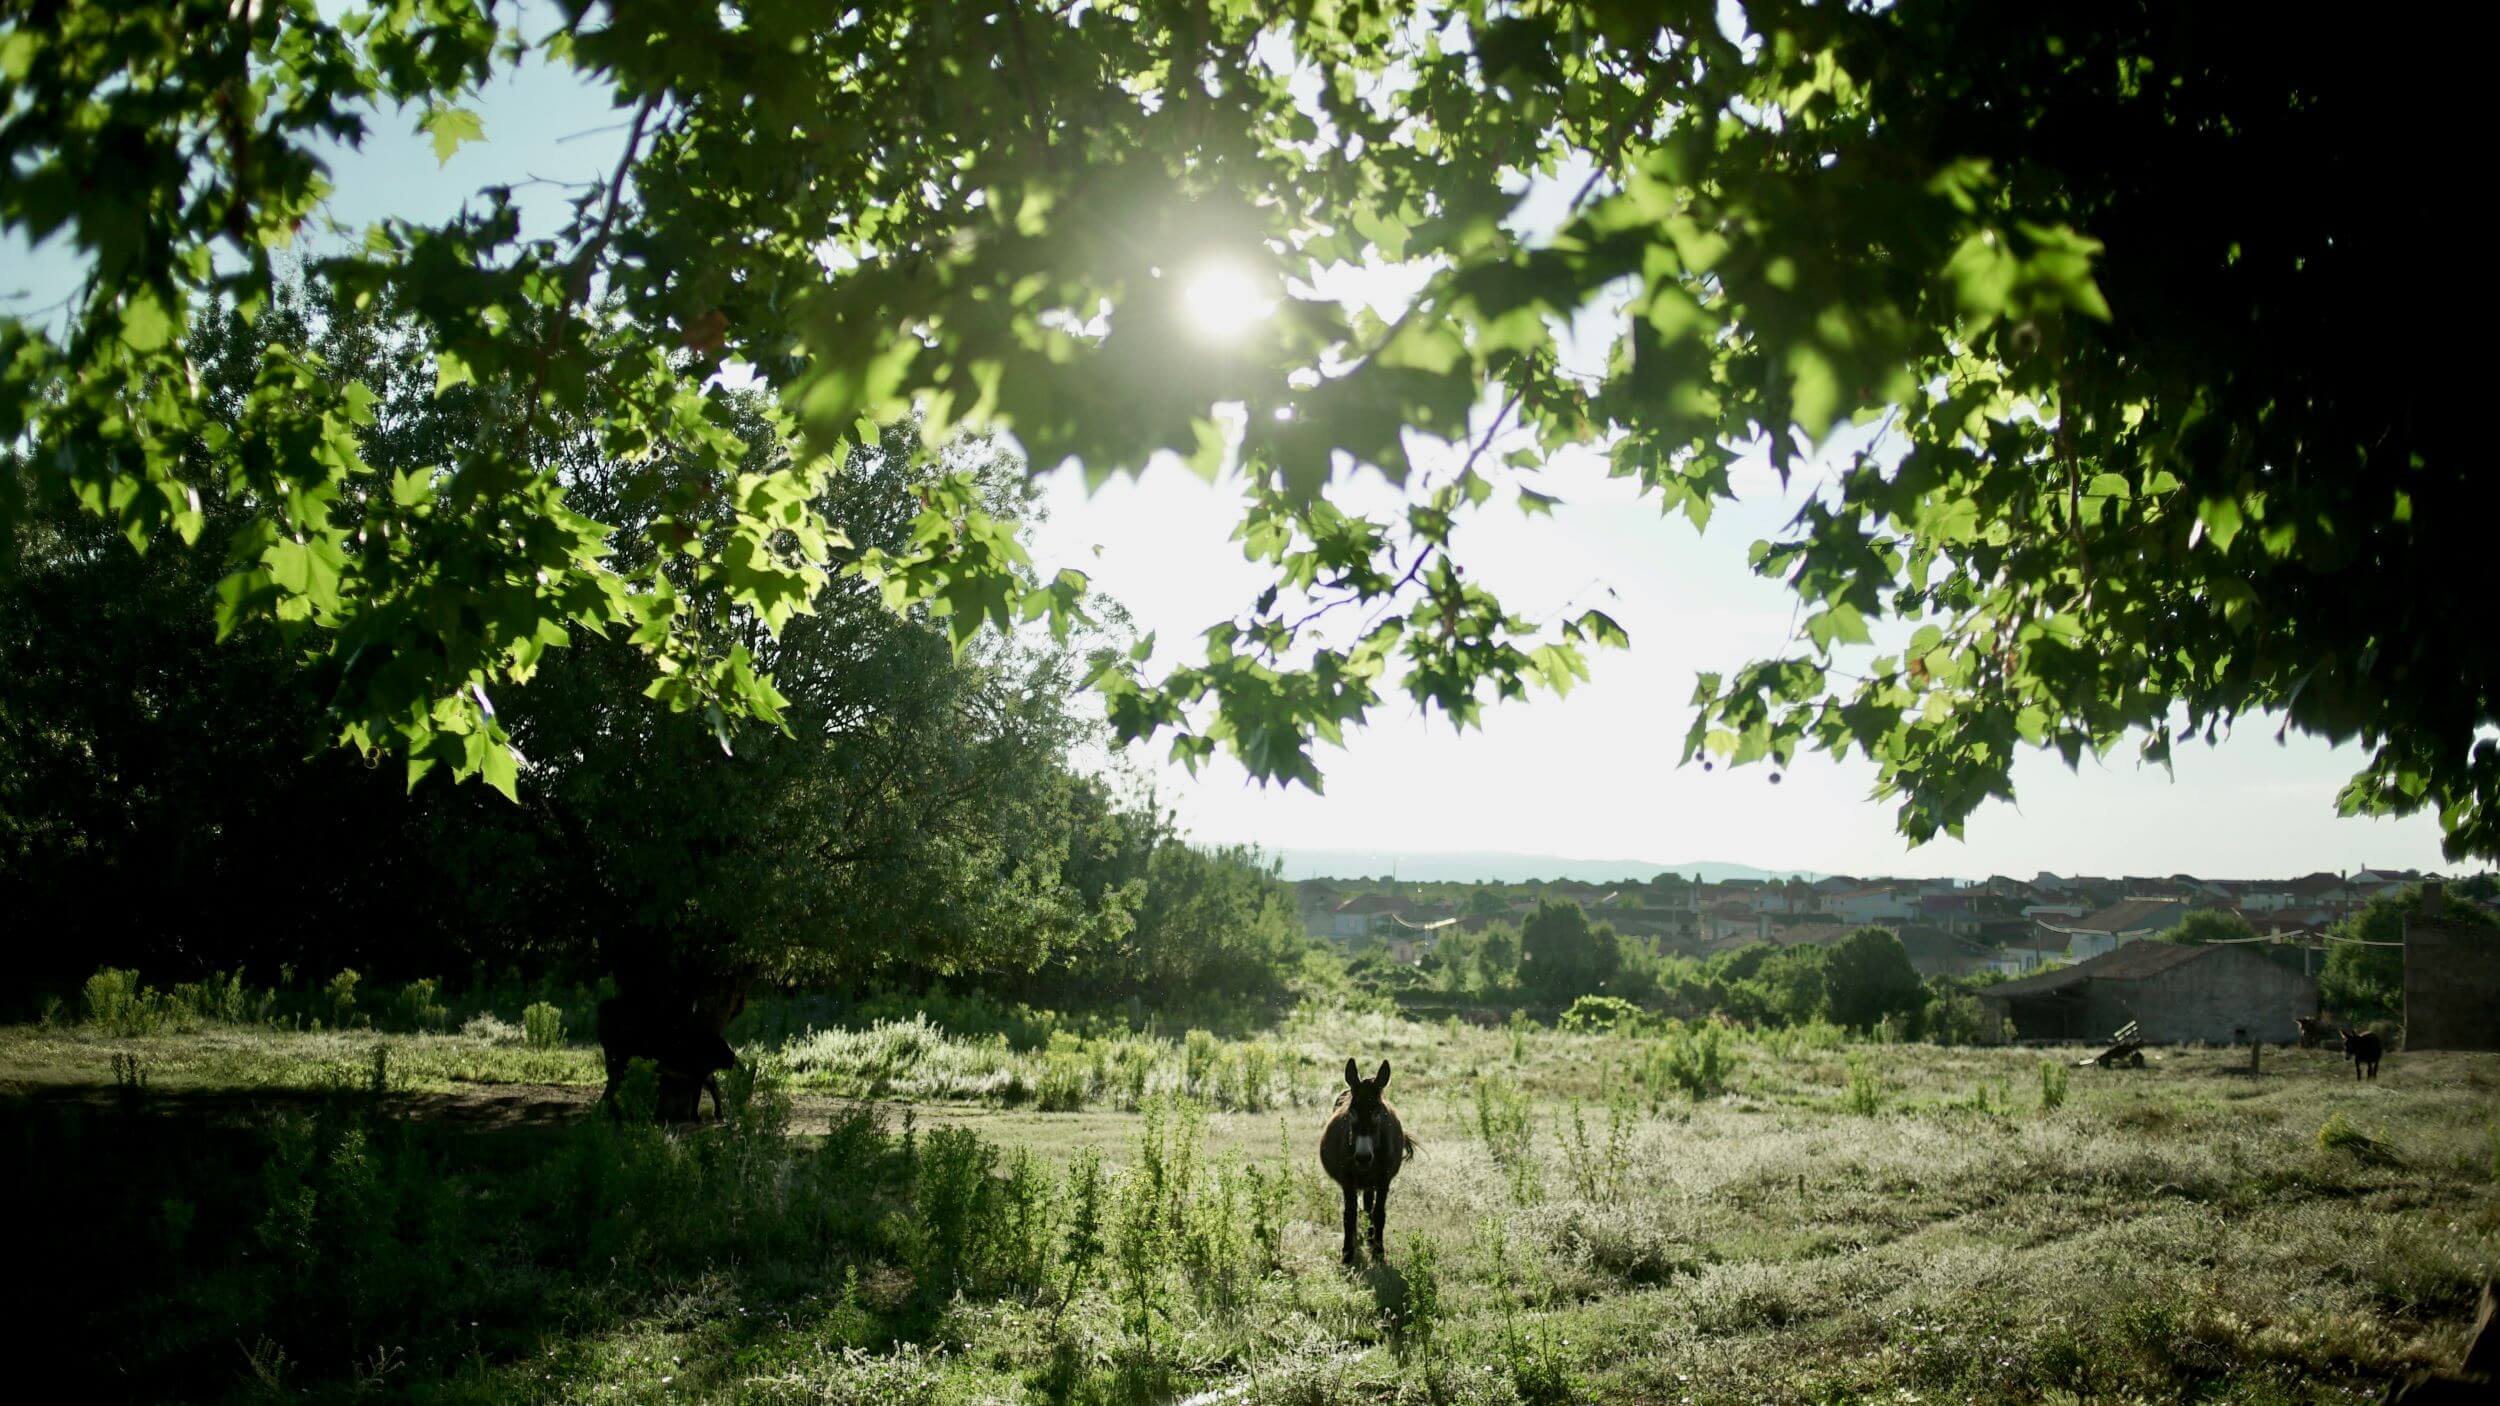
{"x": 2125, "y": 1051}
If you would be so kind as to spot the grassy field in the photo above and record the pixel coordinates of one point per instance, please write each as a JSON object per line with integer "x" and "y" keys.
{"x": 907, "y": 1216}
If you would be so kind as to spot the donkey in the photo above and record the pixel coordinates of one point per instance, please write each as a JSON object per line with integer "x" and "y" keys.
{"x": 2314, "y": 1029}
{"x": 685, "y": 1041}
{"x": 1361, "y": 1149}
{"x": 2362, "y": 1047}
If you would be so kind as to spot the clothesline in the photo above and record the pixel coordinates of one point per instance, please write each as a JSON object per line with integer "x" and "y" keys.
{"x": 2289, "y": 937}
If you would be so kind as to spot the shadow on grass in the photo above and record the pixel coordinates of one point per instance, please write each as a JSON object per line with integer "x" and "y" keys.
{"x": 215, "y": 1246}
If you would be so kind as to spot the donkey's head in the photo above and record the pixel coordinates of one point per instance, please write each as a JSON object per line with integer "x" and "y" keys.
{"x": 1363, "y": 1107}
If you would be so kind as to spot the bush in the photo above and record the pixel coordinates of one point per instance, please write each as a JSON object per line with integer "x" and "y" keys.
{"x": 1694, "y": 1059}
{"x": 1199, "y": 1052}
{"x": 542, "y": 1025}
{"x": 1600, "y": 1015}
{"x": 118, "y": 1005}
{"x": 1957, "y": 1018}
{"x": 340, "y": 996}
{"x": 1064, "y": 1083}
{"x": 415, "y": 1007}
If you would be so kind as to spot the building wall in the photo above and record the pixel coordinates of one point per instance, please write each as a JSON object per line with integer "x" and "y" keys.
{"x": 2452, "y": 987}
{"x": 1861, "y": 908}
{"x": 2228, "y": 989}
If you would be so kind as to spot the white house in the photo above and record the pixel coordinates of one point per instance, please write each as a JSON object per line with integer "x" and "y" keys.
{"x": 1364, "y": 914}
{"x": 1873, "y": 904}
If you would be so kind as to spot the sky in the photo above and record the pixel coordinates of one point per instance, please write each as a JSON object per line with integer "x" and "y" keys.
{"x": 1591, "y": 776}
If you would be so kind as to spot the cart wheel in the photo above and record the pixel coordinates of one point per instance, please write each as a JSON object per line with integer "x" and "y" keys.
{"x": 2136, "y": 1060}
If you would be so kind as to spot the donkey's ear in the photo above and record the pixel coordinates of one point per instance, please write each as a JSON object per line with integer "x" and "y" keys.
{"x": 1353, "y": 1076}
{"x": 1382, "y": 1079}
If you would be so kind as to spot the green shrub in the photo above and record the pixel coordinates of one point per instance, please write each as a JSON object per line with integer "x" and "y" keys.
{"x": 1063, "y": 1084}
{"x": 2052, "y": 1086}
{"x": 2341, "y": 1133}
{"x": 224, "y": 997}
{"x": 1601, "y": 1015}
{"x": 950, "y": 1206}
{"x": 542, "y": 1025}
{"x": 1414, "y": 1317}
{"x": 1693, "y": 1058}
{"x": 1086, "y": 1201}
{"x": 1865, "y": 1093}
{"x": 118, "y": 1005}
{"x": 416, "y": 1006}
{"x": 340, "y": 996}
{"x": 1958, "y": 1018}
{"x": 1504, "y": 1123}
{"x": 1199, "y": 1052}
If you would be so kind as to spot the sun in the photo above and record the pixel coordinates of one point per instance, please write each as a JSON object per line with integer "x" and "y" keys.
{"x": 1222, "y": 299}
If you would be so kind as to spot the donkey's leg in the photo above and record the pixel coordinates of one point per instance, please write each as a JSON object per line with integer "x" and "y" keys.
{"x": 1380, "y": 1221}
{"x": 1350, "y": 1225}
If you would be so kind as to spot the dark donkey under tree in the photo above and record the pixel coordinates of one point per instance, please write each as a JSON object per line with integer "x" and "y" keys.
{"x": 682, "y": 1037}
{"x": 1361, "y": 1149}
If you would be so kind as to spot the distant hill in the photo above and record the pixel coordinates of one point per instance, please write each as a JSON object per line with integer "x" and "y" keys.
{"x": 1469, "y": 866}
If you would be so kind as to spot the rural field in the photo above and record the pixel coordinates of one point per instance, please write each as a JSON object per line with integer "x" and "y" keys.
{"x": 900, "y": 1214}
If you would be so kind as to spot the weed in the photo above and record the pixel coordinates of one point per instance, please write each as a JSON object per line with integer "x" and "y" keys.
{"x": 1503, "y": 1124}
{"x": 1864, "y": 1094}
{"x": 340, "y": 997}
{"x": 1693, "y": 1058}
{"x": 2053, "y": 1077}
{"x": 130, "y": 1082}
{"x": 2340, "y": 1132}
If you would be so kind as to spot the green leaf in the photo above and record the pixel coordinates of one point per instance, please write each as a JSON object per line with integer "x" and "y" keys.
{"x": 146, "y": 323}
{"x": 451, "y": 128}
{"x": 500, "y": 771}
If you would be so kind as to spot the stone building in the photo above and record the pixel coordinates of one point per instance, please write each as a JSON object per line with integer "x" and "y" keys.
{"x": 2173, "y": 993}
{"x": 2452, "y": 982}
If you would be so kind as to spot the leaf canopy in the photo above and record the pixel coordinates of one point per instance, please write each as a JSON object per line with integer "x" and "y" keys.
{"x": 2147, "y": 299}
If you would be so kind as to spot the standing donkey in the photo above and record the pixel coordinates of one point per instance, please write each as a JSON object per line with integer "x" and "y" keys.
{"x": 2362, "y": 1047}
{"x": 1361, "y": 1149}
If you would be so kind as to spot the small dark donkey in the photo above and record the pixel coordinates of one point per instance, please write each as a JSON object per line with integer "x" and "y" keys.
{"x": 2362, "y": 1047}
{"x": 1361, "y": 1149}
{"x": 684, "y": 1040}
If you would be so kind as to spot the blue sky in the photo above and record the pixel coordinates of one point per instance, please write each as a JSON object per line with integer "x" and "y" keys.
{"x": 1590, "y": 776}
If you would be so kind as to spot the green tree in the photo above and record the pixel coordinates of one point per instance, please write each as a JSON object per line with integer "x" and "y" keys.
{"x": 1497, "y": 956}
{"x": 2074, "y": 261}
{"x": 2209, "y": 925}
{"x": 1867, "y": 976}
{"x": 914, "y": 805}
{"x": 1787, "y": 988}
{"x": 1563, "y": 956}
{"x": 2365, "y": 963}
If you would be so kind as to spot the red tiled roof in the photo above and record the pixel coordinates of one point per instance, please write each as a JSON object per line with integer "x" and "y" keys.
{"x": 2126, "y": 915}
